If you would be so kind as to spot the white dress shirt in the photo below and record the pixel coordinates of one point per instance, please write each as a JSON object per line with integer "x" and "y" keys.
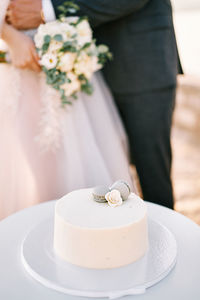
{"x": 48, "y": 10}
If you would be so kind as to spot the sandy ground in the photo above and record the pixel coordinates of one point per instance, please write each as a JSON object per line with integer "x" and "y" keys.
{"x": 187, "y": 25}
{"x": 186, "y": 148}
{"x": 186, "y": 129}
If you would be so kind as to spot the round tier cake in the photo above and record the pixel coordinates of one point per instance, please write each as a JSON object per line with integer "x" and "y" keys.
{"x": 95, "y": 235}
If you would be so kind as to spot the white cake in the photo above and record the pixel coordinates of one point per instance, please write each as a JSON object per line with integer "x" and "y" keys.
{"x": 94, "y": 235}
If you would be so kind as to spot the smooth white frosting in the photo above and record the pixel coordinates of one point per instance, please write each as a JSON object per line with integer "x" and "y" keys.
{"x": 79, "y": 209}
{"x": 95, "y": 235}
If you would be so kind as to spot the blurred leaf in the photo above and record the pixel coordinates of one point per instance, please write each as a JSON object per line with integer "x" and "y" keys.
{"x": 47, "y": 39}
{"x": 58, "y": 37}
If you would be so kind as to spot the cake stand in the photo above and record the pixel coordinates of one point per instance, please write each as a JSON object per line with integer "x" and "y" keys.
{"x": 46, "y": 267}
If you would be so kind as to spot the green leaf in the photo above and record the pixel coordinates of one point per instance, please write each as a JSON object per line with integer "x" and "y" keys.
{"x": 81, "y": 19}
{"x": 71, "y": 5}
{"x": 2, "y": 54}
{"x": 104, "y": 57}
{"x": 87, "y": 88}
{"x": 58, "y": 37}
{"x": 47, "y": 39}
{"x": 68, "y": 7}
{"x": 61, "y": 8}
{"x": 68, "y": 46}
{"x": 45, "y": 47}
{"x": 74, "y": 35}
{"x": 82, "y": 77}
{"x": 55, "y": 78}
{"x": 64, "y": 98}
{"x": 86, "y": 46}
{"x": 2, "y": 57}
{"x": 74, "y": 96}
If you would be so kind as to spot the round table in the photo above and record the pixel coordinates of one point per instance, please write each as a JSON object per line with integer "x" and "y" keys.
{"x": 182, "y": 283}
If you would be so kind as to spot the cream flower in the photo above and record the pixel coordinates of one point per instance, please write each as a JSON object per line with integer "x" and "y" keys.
{"x": 67, "y": 31}
{"x": 103, "y": 48}
{"x": 95, "y": 65}
{"x": 39, "y": 40}
{"x": 49, "y": 60}
{"x": 84, "y": 33}
{"x": 67, "y": 61}
{"x": 71, "y": 19}
{"x": 114, "y": 198}
{"x": 53, "y": 28}
{"x": 73, "y": 86}
{"x": 86, "y": 65}
{"x": 54, "y": 47}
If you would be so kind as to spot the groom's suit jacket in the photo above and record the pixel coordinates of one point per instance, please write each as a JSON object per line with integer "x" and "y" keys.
{"x": 140, "y": 34}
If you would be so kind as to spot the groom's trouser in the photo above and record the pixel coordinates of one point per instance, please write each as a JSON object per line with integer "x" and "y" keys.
{"x": 147, "y": 118}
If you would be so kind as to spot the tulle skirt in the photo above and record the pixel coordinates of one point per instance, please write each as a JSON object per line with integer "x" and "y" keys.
{"x": 47, "y": 151}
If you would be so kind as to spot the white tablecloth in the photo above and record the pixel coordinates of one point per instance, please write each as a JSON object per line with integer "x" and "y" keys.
{"x": 182, "y": 283}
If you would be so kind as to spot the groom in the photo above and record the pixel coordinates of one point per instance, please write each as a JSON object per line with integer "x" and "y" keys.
{"x": 142, "y": 76}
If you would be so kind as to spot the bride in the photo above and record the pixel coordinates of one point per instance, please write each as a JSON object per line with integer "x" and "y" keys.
{"x": 47, "y": 151}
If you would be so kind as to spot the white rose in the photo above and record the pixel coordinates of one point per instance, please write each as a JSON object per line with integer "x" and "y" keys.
{"x": 95, "y": 64}
{"x": 72, "y": 20}
{"x": 84, "y": 33}
{"x": 92, "y": 50}
{"x": 67, "y": 31}
{"x": 67, "y": 61}
{"x": 43, "y": 30}
{"x": 54, "y": 28}
{"x": 49, "y": 60}
{"x": 114, "y": 198}
{"x": 54, "y": 46}
{"x": 84, "y": 65}
{"x": 103, "y": 48}
{"x": 39, "y": 40}
{"x": 73, "y": 86}
{"x": 50, "y": 28}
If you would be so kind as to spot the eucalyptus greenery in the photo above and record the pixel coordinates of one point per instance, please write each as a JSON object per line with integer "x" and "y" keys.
{"x": 2, "y": 57}
{"x": 68, "y": 7}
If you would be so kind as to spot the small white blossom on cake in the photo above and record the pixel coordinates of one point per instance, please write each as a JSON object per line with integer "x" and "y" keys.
{"x": 114, "y": 198}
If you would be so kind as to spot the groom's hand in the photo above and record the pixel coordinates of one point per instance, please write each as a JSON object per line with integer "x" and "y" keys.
{"x": 25, "y": 14}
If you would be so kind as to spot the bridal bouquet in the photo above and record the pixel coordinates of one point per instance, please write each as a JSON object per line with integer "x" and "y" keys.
{"x": 68, "y": 54}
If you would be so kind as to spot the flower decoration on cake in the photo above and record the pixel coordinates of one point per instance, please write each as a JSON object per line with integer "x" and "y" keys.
{"x": 114, "y": 198}
{"x": 114, "y": 195}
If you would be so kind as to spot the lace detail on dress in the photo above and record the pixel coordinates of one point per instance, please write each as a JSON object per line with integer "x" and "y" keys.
{"x": 50, "y": 125}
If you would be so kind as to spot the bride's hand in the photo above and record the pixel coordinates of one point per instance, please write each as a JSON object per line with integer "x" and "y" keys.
{"x": 22, "y": 49}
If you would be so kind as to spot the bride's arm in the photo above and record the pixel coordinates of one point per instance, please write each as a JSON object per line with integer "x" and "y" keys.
{"x": 21, "y": 47}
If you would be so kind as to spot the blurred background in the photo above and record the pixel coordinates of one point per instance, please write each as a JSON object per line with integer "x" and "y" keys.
{"x": 186, "y": 129}
{"x": 186, "y": 123}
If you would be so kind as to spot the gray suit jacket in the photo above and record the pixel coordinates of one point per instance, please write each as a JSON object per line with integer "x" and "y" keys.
{"x": 140, "y": 34}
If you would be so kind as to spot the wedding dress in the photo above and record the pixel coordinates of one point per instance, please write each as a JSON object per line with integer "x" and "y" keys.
{"x": 46, "y": 150}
